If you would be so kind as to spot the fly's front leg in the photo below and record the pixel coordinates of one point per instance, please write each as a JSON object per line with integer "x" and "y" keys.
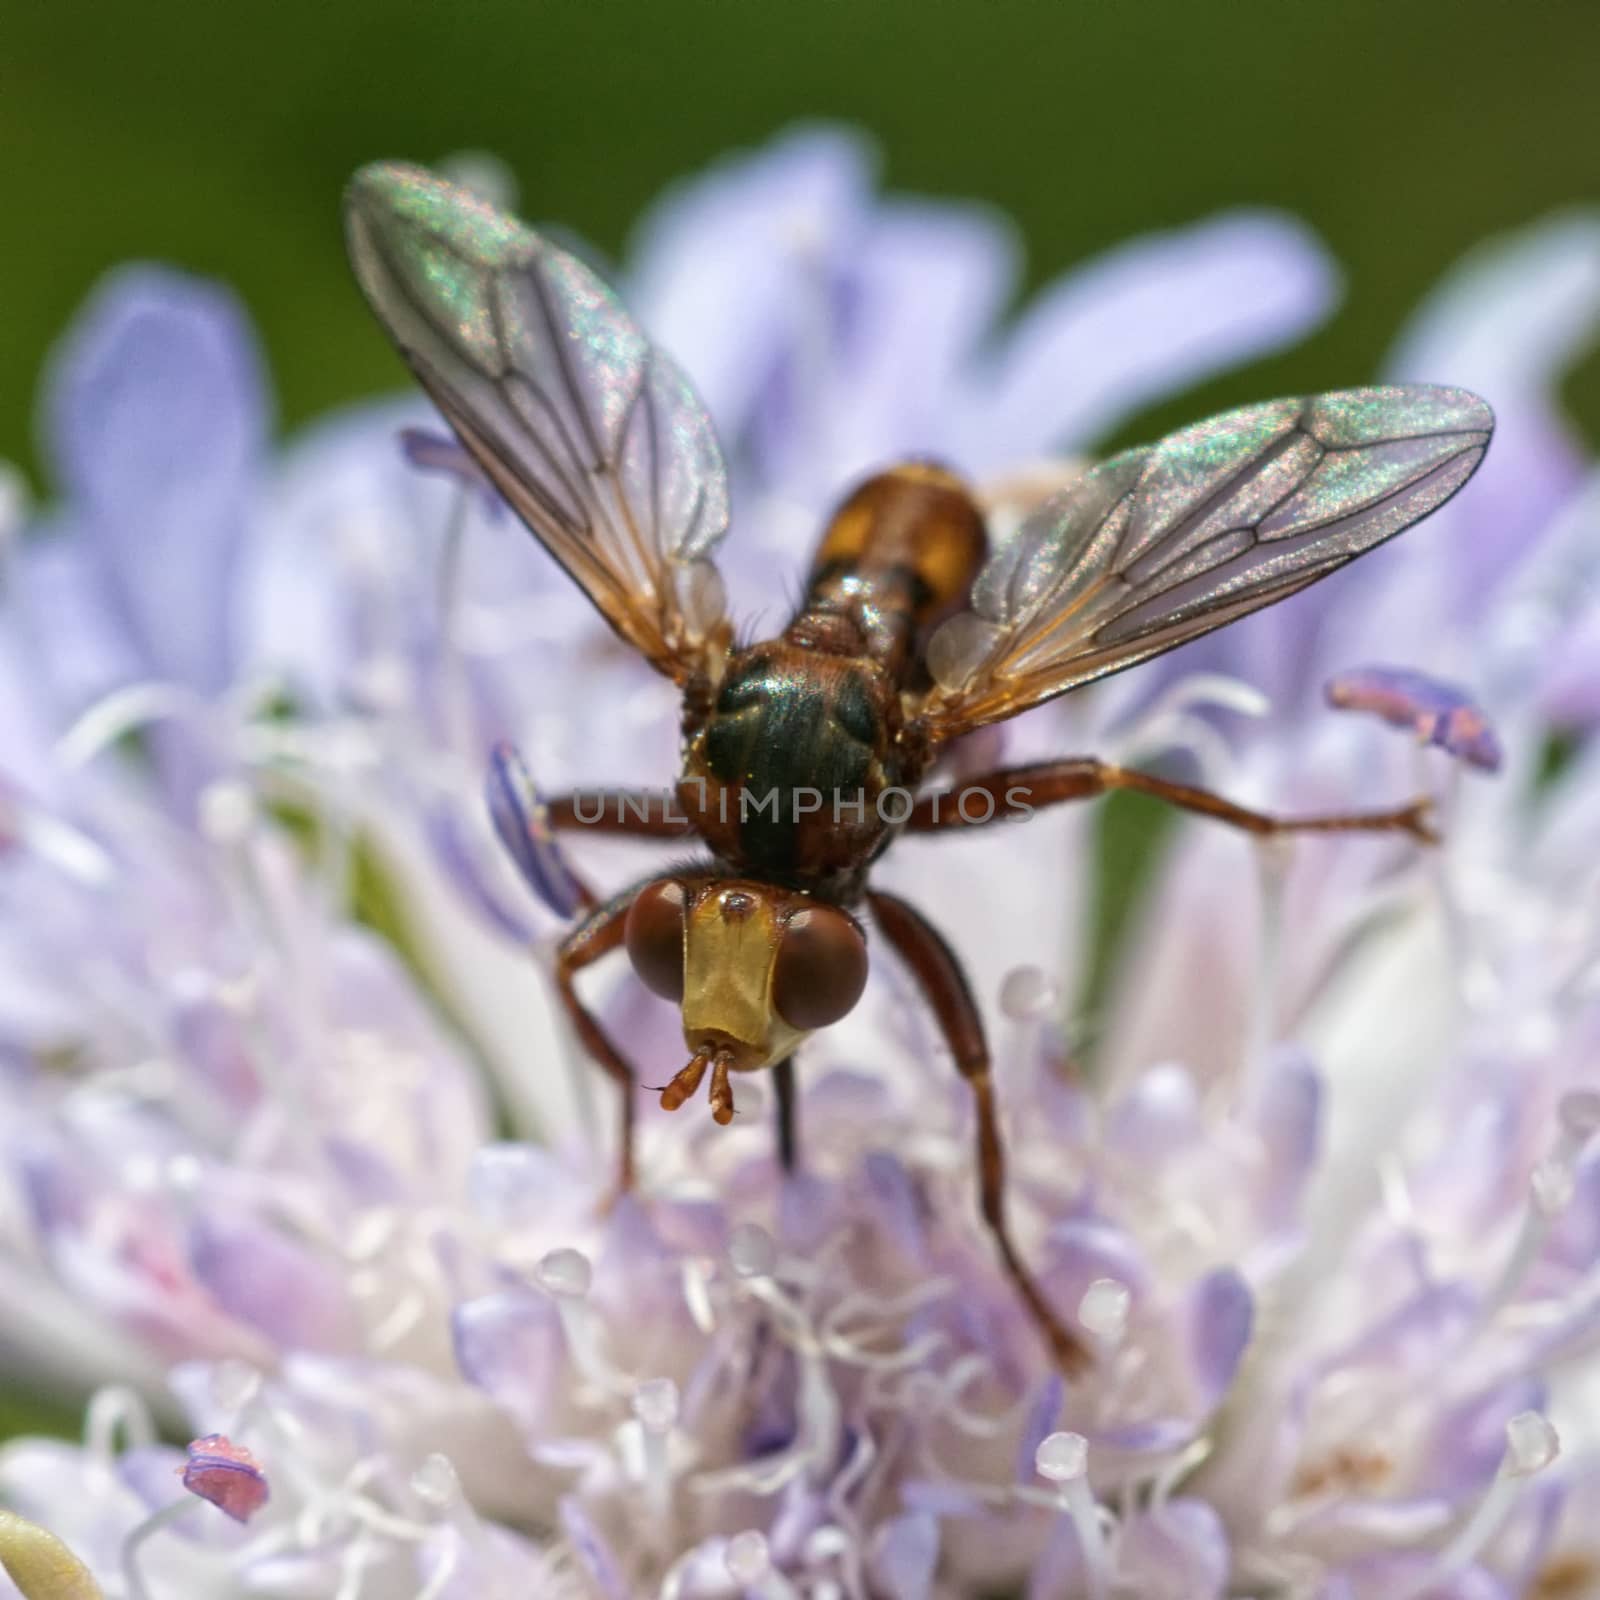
{"x": 527, "y": 823}
{"x": 1014, "y": 792}
{"x": 944, "y": 986}
{"x": 619, "y": 813}
{"x": 598, "y": 935}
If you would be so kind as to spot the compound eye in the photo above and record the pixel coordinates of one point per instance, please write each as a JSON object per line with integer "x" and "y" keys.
{"x": 821, "y": 968}
{"x": 654, "y": 936}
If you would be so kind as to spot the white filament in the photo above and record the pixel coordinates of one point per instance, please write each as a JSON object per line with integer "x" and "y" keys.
{"x": 1531, "y": 1445}
{"x": 1550, "y": 1190}
{"x": 1063, "y": 1459}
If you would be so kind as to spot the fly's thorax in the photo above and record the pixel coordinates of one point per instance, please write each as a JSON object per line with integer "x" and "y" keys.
{"x": 786, "y": 771}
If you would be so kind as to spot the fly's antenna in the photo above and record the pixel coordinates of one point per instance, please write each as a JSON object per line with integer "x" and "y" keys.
{"x": 721, "y": 1089}
{"x": 688, "y": 1079}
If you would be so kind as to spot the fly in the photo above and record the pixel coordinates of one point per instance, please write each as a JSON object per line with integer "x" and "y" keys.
{"x": 911, "y": 634}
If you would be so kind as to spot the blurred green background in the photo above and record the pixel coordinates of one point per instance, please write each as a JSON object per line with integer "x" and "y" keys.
{"x": 218, "y": 136}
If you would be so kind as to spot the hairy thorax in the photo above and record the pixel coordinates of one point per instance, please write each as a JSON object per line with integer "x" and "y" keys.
{"x": 789, "y": 770}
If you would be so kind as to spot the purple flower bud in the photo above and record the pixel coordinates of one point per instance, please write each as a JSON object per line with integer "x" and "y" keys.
{"x": 523, "y": 827}
{"x": 1439, "y": 713}
{"x": 227, "y": 1475}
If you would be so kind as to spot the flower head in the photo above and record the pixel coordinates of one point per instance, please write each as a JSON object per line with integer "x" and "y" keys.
{"x": 1315, "y": 1185}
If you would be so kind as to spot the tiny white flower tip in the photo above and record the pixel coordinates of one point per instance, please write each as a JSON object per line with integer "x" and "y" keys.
{"x": 1103, "y": 1311}
{"x": 1531, "y": 1444}
{"x": 1552, "y": 1185}
{"x": 655, "y": 1404}
{"x": 435, "y": 1481}
{"x": 827, "y": 1543}
{"x": 1027, "y": 994}
{"x": 1579, "y": 1112}
{"x": 1062, "y": 1457}
{"x": 227, "y": 811}
{"x": 752, "y": 1250}
{"x": 746, "y": 1557}
{"x": 40, "y": 1565}
{"x": 566, "y": 1273}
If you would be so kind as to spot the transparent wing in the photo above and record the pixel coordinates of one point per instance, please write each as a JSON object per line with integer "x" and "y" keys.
{"x": 595, "y": 437}
{"x": 1161, "y": 544}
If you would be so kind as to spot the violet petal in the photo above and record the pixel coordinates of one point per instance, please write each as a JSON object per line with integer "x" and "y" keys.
{"x": 157, "y": 419}
{"x": 522, "y": 826}
{"x": 1176, "y": 1552}
{"x": 1221, "y": 1316}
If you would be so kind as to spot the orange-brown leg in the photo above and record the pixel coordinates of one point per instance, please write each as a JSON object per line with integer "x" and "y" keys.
{"x": 620, "y": 813}
{"x": 944, "y": 986}
{"x": 598, "y": 935}
{"x": 1013, "y": 792}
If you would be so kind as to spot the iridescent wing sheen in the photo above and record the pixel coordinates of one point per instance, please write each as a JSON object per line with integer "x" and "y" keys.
{"x": 1163, "y": 543}
{"x": 594, "y": 436}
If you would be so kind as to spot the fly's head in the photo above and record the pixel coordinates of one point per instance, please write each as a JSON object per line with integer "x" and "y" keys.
{"x": 754, "y": 969}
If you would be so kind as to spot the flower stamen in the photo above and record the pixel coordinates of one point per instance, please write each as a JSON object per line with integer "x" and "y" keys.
{"x": 1550, "y": 1190}
{"x": 1531, "y": 1445}
{"x": 1063, "y": 1459}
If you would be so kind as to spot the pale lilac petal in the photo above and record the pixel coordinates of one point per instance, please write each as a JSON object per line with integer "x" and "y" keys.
{"x": 1507, "y": 323}
{"x": 905, "y": 1555}
{"x": 1409, "y": 1337}
{"x": 1038, "y": 1425}
{"x": 1382, "y": 1577}
{"x": 898, "y": 1203}
{"x": 1468, "y": 1441}
{"x": 1570, "y": 695}
{"x": 1084, "y": 1249}
{"x": 595, "y": 1555}
{"x": 428, "y": 450}
{"x": 516, "y": 1185}
{"x": 1145, "y": 320}
{"x": 458, "y": 854}
{"x": 911, "y": 305}
{"x": 1221, "y": 1317}
{"x": 71, "y": 634}
{"x": 156, "y": 422}
{"x": 1290, "y": 1125}
{"x": 720, "y": 265}
{"x": 257, "y": 1275}
{"x": 1177, "y": 1552}
{"x": 1158, "y": 1116}
{"x": 511, "y": 1345}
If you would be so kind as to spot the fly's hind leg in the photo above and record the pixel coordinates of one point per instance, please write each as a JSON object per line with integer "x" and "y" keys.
{"x": 598, "y": 935}
{"x": 944, "y": 986}
{"x": 1013, "y": 792}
